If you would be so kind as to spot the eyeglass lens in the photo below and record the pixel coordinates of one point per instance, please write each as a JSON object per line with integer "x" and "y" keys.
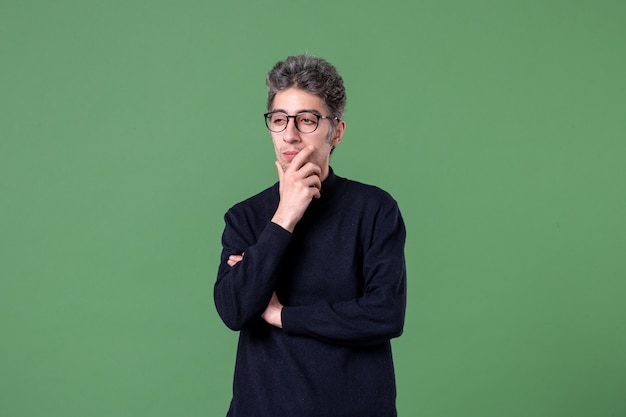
{"x": 305, "y": 122}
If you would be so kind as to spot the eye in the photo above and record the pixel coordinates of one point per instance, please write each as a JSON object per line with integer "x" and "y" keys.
{"x": 307, "y": 119}
{"x": 278, "y": 119}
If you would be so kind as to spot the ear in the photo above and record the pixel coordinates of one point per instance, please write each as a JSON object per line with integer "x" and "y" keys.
{"x": 338, "y": 133}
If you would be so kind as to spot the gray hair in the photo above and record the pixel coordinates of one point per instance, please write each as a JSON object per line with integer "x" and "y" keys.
{"x": 312, "y": 74}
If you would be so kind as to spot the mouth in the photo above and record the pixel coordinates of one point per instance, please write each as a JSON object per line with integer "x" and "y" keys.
{"x": 290, "y": 154}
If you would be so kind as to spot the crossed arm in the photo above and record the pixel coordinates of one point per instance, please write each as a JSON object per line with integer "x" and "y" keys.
{"x": 249, "y": 293}
{"x": 272, "y": 313}
{"x": 244, "y": 292}
{"x": 300, "y": 182}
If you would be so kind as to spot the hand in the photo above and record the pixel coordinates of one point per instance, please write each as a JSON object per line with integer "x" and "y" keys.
{"x": 273, "y": 311}
{"x": 299, "y": 184}
{"x": 234, "y": 259}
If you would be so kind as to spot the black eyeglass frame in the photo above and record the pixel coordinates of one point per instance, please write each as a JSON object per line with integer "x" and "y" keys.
{"x": 294, "y": 117}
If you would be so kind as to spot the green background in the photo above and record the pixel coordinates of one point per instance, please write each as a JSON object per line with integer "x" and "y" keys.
{"x": 129, "y": 127}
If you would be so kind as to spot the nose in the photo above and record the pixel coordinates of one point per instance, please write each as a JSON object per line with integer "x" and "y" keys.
{"x": 291, "y": 134}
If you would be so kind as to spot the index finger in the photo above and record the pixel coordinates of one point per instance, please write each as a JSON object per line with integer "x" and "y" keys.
{"x": 301, "y": 158}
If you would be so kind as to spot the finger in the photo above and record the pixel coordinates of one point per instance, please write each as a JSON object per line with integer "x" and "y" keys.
{"x": 310, "y": 169}
{"x": 280, "y": 170}
{"x": 312, "y": 181}
{"x": 234, "y": 259}
{"x": 317, "y": 186}
{"x": 314, "y": 185}
{"x": 301, "y": 158}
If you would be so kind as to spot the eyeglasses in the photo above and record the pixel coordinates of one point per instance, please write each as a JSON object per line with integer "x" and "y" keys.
{"x": 306, "y": 122}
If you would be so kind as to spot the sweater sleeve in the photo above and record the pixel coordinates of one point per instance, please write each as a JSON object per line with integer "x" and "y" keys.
{"x": 242, "y": 292}
{"x": 378, "y": 314}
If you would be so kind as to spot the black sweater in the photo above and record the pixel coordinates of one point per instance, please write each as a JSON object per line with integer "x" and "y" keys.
{"x": 342, "y": 280}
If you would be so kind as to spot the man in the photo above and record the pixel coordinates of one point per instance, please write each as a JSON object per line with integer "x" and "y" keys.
{"x": 312, "y": 270}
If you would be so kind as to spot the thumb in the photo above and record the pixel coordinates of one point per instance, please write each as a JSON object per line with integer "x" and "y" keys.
{"x": 279, "y": 168}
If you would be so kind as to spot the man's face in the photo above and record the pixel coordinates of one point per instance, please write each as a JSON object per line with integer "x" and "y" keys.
{"x": 290, "y": 141}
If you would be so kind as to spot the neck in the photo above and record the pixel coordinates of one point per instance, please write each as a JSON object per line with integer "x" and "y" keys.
{"x": 325, "y": 172}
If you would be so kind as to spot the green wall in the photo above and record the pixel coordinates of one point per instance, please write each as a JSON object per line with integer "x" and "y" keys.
{"x": 127, "y": 128}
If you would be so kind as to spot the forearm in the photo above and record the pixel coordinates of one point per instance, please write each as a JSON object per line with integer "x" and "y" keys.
{"x": 242, "y": 291}
{"x": 373, "y": 318}
{"x": 377, "y": 313}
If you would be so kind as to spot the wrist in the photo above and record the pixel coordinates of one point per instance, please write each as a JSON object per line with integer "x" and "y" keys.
{"x": 273, "y": 316}
{"x": 286, "y": 222}
{"x": 279, "y": 318}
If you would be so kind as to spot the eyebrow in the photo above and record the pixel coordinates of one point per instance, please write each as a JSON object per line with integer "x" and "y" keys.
{"x": 314, "y": 111}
